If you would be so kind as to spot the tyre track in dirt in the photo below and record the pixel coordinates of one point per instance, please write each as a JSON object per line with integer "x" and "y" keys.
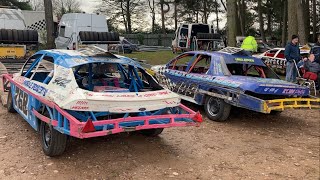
{"x": 249, "y": 146}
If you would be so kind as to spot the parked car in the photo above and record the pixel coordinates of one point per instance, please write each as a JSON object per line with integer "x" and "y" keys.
{"x": 275, "y": 58}
{"x": 229, "y": 77}
{"x": 90, "y": 93}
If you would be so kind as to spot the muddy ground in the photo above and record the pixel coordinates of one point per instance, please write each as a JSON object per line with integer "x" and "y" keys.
{"x": 248, "y": 146}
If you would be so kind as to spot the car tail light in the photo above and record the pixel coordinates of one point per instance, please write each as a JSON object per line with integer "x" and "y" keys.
{"x": 88, "y": 127}
{"x": 197, "y": 117}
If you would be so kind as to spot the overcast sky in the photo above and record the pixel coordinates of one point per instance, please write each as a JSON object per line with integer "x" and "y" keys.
{"x": 89, "y": 6}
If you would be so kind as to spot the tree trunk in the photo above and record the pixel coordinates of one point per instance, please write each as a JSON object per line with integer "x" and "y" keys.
{"x": 314, "y": 19}
{"x": 197, "y": 16}
{"x": 231, "y": 22}
{"x": 175, "y": 14}
{"x": 224, "y": 5}
{"x": 269, "y": 14}
{"x": 205, "y": 11}
{"x": 285, "y": 23}
{"x": 124, "y": 17}
{"x": 261, "y": 24}
{"x": 238, "y": 30}
{"x": 217, "y": 15}
{"x": 49, "y": 23}
{"x": 244, "y": 8}
{"x": 162, "y": 17}
{"x": 301, "y": 23}
{"x": 292, "y": 18}
{"x": 307, "y": 17}
{"x": 241, "y": 17}
{"x": 128, "y": 16}
{"x": 153, "y": 15}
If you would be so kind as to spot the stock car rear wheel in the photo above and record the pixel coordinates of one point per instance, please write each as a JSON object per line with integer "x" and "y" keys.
{"x": 151, "y": 132}
{"x": 10, "y": 103}
{"x": 217, "y": 109}
{"x": 53, "y": 142}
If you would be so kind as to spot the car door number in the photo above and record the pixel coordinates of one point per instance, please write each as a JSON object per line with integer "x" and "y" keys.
{"x": 21, "y": 101}
{"x": 185, "y": 89}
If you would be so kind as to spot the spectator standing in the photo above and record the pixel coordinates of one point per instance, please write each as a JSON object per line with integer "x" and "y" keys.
{"x": 292, "y": 55}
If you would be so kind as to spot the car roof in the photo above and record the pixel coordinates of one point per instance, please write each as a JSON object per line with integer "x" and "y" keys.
{"x": 72, "y": 58}
{"x": 233, "y": 56}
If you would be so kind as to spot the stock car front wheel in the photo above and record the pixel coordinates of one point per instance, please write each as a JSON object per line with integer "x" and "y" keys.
{"x": 53, "y": 142}
{"x": 217, "y": 109}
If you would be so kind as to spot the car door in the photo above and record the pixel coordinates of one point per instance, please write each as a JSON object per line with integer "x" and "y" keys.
{"x": 175, "y": 76}
{"x": 34, "y": 73}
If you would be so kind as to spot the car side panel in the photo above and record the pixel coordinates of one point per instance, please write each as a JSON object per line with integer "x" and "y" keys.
{"x": 23, "y": 104}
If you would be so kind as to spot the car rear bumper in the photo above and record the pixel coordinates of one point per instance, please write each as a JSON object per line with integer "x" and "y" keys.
{"x": 67, "y": 124}
{"x": 266, "y": 106}
{"x": 296, "y": 103}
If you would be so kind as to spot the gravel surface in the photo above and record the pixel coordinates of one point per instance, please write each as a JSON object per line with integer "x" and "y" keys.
{"x": 249, "y": 146}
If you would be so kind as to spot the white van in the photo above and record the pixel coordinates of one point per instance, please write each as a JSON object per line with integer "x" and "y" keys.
{"x": 195, "y": 36}
{"x": 72, "y": 24}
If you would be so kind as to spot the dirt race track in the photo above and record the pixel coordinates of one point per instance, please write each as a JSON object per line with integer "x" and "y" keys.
{"x": 249, "y": 146}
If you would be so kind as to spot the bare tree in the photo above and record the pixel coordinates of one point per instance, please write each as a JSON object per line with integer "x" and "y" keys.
{"x": 241, "y": 14}
{"x": 127, "y": 12}
{"x": 153, "y": 14}
{"x": 61, "y": 7}
{"x": 231, "y": 22}
{"x": 314, "y": 19}
{"x": 306, "y": 5}
{"x": 292, "y": 18}
{"x": 261, "y": 24}
{"x": 301, "y": 22}
{"x": 224, "y": 5}
{"x": 49, "y": 23}
{"x": 163, "y": 27}
{"x": 285, "y": 24}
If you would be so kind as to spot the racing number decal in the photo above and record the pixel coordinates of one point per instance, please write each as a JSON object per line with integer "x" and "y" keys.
{"x": 21, "y": 101}
{"x": 185, "y": 89}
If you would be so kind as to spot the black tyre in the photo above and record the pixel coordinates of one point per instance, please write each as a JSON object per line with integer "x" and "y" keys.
{"x": 15, "y": 35}
{"x": 86, "y": 36}
{"x": 151, "y": 132}
{"x": 35, "y": 36}
{"x": 20, "y": 36}
{"x": 30, "y": 36}
{"x": 53, "y": 142}
{"x": 10, "y": 103}
{"x": 4, "y": 35}
{"x": 217, "y": 109}
{"x": 95, "y": 36}
{"x": 104, "y": 36}
{"x": 25, "y": 36}
{"x": 82, "y": 35}
{"x": 10, "y": 36}
{"x": 91, "y": 36}
{"x": 116, "y": 36}
{"x": 109, "y": 36}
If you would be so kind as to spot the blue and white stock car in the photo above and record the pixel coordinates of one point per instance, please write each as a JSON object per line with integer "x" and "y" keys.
{"x": 230, "y": 77}
{"x": 87, "y": 93}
